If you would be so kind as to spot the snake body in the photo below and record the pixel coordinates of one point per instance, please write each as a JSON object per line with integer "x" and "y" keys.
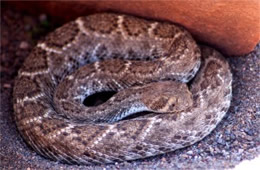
{"x": 146, "y": 62}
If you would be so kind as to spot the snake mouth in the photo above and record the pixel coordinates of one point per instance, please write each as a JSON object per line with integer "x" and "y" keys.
{"x": 139, "y": 115}
{"x": 98, "y": 98}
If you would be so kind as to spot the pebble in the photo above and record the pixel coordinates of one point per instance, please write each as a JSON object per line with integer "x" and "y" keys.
{"x": 240, "y": 151}
{"x": 24, "y": 45}
{"x": 190, "y": 152}
{"x": 228, "y": 135}
{"x": 238, "y": 158}
{"x": 221, "y": 141}
{"x": 249, "y": 132}
{"x": 7, "y": 86}
{"x": 163, "y": 159}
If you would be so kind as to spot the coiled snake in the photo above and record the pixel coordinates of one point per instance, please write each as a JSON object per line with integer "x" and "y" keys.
{"x": 146, "y": 62}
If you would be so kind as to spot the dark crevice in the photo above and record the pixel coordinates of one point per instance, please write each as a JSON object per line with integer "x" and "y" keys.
{"x": 98, "y": 98}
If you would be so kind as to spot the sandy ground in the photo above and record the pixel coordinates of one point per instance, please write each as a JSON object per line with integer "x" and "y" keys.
{"x": 235, "y": 139}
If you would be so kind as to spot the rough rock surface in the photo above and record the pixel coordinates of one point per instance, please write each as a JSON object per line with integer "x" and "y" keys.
{"x": 221, "y": 23}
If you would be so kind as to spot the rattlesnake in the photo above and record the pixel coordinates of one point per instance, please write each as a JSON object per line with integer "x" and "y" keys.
{"x": 139, "y": 59}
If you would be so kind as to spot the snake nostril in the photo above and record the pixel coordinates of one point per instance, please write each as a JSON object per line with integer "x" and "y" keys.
{"x": 98, "y": 98}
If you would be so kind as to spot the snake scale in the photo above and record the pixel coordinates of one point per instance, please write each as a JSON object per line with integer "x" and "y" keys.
{"x": 147, "y": 64}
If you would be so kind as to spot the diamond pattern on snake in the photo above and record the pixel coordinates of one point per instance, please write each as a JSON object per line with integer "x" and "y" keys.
{"x": 147, "y": 63}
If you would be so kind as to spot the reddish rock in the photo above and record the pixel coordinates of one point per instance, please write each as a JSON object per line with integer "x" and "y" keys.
{"x": 233, "y": 27}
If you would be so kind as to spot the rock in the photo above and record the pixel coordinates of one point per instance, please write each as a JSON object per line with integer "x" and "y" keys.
{"x": 230, "y": 26}
{"x": 190, "y": 152}
{"x": 24, "y": 45}
{"x": 163, "y": 159}
{"x": 6, "y": 85}
{"x": 221, "y": 141}
{"x": 240, "y": 151}
{"x": 249, "y": 132}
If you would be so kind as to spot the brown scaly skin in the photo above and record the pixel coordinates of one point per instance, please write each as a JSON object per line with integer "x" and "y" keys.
{"x": 85, "y": 56}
